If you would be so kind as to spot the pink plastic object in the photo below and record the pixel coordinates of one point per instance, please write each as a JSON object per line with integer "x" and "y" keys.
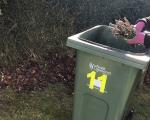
{"x": 139, "y": 26}
{"x": 138, "y": 39}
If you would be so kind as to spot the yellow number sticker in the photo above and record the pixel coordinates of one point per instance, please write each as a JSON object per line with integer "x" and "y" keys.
{"x": 103, "y": 80}
{"x": 92, "y": 76}
{"x": 100, "y": 82}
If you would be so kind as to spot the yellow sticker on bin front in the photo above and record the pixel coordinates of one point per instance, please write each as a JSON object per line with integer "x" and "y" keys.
{"x": 99, "y": 83}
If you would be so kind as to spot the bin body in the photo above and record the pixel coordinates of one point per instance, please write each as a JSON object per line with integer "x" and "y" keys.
{"x": 105, "y": 79}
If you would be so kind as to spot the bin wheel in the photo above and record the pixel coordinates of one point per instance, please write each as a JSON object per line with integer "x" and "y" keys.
{"x": 130, "y": 113}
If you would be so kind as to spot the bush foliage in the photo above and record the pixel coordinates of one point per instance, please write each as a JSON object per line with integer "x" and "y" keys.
{"x": 34, "y": 28}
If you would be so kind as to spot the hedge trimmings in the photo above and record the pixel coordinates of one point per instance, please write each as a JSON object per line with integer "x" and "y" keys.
{"x": 123, "y": 28}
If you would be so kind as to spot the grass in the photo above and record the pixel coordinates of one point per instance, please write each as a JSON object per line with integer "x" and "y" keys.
{"x": 141, "y": 103}
{"x": 51, "y": 104}
{"x": 55, "y": 104}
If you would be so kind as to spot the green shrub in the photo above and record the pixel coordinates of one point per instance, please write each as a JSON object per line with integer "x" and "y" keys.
{"x": 33, "y": 28}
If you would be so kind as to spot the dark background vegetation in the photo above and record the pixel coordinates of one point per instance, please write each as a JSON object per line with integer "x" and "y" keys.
{"x": 35, "y": 28}
{"x": 33, "y": 36}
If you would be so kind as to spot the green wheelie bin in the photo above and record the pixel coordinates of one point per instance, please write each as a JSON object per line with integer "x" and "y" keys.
{"x": 107, "y": 72}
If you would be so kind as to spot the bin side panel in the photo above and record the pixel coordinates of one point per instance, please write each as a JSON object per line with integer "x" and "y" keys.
{"x": 93, "y": 108}
{"x": 104, "y": 83}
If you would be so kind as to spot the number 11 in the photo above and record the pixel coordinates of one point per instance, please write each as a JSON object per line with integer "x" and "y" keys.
{"x": 102, "y": 79}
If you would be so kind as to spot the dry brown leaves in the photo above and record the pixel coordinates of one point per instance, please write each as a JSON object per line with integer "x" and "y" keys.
{"x": 31, "y": 75}
{"x": 123, "y": 28}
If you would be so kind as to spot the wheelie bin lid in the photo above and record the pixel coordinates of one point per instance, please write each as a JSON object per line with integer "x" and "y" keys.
{"x": 84, "y": 41}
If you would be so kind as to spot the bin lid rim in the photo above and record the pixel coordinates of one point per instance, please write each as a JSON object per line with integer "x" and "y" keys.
{"x": 138, "y": 58}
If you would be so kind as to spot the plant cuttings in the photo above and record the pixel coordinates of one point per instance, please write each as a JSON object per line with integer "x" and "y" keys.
{"x": 123, "y": 28}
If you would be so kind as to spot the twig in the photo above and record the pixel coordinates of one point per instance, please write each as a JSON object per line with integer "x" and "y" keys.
{"x": 12, "y": 28}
